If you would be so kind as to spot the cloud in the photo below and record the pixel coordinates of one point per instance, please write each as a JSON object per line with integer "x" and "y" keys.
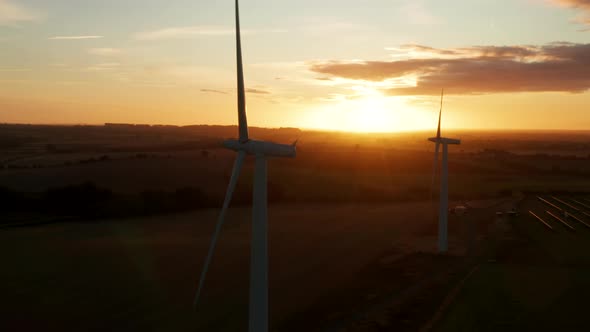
{"x": 104, "y": 66}
{"x": 557, "y": 67}
{"x": 214, "y": 91}
{"x": 105, "y": 51}
{"x": 194, "y": 31}
{"x": 184, "y": 32}
{"x": 412, "y": 51}
{"x": 257, "y": 91}
{"x": 12, "y": 13}
{"x": 74, "y": 37}
{"x": 248, "y": 90}
{"x": 165, "y": 74}
{"x": 15, "y": 69}
{"x": 582, "y": 5}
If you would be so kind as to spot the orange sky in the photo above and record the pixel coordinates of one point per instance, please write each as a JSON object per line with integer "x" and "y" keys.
{"x": 520, "y": 64}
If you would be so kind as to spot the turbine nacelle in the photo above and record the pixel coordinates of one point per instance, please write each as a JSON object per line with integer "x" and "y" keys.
{"x": 267, "y": 149}
{"x": 444, "y": 140}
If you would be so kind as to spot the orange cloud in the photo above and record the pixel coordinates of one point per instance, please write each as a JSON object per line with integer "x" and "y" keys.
{"x": 560, "y": 66}
{"x": 582, "y": 5}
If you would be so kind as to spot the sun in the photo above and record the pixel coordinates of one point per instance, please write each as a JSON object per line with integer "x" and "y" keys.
{"x": 368, "y": 110}
{"x": 366, "y": 114}
{"x": 371, "y": 115}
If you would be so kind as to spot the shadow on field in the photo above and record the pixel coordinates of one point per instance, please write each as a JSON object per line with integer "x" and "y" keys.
{"x": 395, "y": 292}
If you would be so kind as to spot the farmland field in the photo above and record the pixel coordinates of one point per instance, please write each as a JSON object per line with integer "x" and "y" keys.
{"x": 538, "y": 280}
{"x": 107, "y": 228}
{"x": 137, "y": 274}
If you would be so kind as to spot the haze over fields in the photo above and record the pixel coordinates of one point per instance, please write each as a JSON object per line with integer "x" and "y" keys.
{"x": 151, "y": 162}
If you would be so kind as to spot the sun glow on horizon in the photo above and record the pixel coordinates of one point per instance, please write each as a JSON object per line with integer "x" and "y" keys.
{"x": 371, "y": 112}
{"x": 372, "y": 115}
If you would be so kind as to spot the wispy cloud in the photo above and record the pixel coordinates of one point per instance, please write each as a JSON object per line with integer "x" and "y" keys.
{"x": 105, "y": 51}
{"x": 554, "y": 67}
{"x": 214, "y": 91}
{"x": 104, "y": 66}
{"x": 582, "y": 5}
{"x": 183, "y": 32}
{"x": 74, "y": 37}
{"x": 194, "y": 31}
{"x": 15, "y": 69}
{"x": 12, "y": 13}
{"x": 415, "y": 51}
{"x": 257, "y": 91}
{"x": 165, "y": 74}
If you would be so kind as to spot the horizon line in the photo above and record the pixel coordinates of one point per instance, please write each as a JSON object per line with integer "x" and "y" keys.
{"x": 302, "y": 128}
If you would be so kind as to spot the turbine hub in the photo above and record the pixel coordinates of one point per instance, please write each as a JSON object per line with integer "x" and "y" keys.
{"x": 444, "y": 140}
{"x": 267, "y": 149}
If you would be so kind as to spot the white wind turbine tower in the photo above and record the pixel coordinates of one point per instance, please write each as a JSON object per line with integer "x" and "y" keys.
{"x": 444, "y": 185}
{"x": 258, "y": 305}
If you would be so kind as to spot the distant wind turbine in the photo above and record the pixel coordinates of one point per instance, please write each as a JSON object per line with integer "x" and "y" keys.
{"x": 443, "y": 211}
{"x": 258, "y": 306}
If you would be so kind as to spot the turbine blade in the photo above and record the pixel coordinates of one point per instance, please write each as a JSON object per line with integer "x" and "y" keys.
{"x": 242, "y": 119}
{"x": 230, "y": 190}
{"x": 434, "y": 169}
{"x": 440, "y": 112}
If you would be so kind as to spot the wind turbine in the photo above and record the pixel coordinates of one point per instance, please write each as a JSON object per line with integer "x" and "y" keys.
{"x": 443, "y": 211}
{"x": 261, "y": 150}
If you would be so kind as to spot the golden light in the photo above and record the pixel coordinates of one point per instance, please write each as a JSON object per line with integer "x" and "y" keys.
{"x": 363, "y": 107}
{"x": 369, "y": 111}
{"x": 371, "y": 114}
